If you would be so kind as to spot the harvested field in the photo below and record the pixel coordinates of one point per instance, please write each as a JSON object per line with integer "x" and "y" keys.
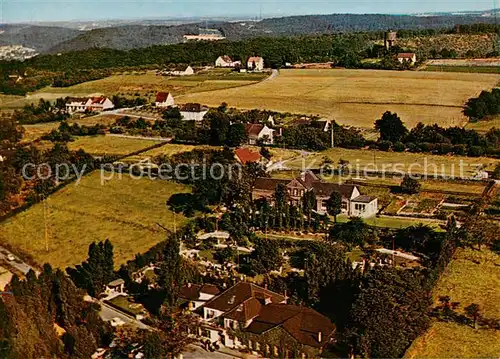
{"x": 359, "y": 97}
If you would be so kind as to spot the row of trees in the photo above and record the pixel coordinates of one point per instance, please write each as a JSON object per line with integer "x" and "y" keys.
{"x": 485, "y": 105}
{"x": 394, "y": 135}
{"x": 66, "y": 131}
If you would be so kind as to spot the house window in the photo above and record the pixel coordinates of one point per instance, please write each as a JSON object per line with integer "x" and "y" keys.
{"x": 257, "y": 346}
{"x": 344, "y": 205}
{"x": 275, "y": 351}
{"x": 250, "y": 344}
{"x": 295, "y": 192}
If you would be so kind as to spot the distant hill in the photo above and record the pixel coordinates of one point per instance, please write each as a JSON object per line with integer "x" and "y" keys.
{"x": 40, "y": 38}
{"x": 55, "y": 40}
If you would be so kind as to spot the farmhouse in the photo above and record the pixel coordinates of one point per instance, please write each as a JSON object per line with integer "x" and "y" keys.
{"x": 252, "y": 317}
{"x": 256, "y": 132}
{"x": 164, "y": 99}
{"x": 226, "y": 61}
{"x": 75, "y": 104}
{"x": 193, "y": 112}
{"x": 245, "y": 155}
{"x": 255, "y": 63}
{"x": 353, "y": 203}
{"x": 407, "y": 57}
{"x": 96, "y": 104}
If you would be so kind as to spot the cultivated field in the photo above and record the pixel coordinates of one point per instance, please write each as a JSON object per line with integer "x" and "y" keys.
{"x": 417, "y": 163}
{"x": 359, "y": 97}
{"x": 109, "y": 145}
{"x": 128, "y": 211}
{"x": 147, "y": 84}
{"x": 465, "y": 282}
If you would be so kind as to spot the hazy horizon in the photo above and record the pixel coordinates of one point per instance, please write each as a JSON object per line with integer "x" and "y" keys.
{"x": 113, "y": 10}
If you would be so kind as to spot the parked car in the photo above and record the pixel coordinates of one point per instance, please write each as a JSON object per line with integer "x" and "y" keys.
{"x": 116, "y": 322}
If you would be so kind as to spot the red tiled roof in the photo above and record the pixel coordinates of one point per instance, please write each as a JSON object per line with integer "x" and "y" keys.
{"x": 97, "y": 100}
{"x": 253, "y": 129}
{"x": 406, "y": 55}
{"x": 240, "y": 294}
{"x": 193, "y": 291}
{"x": 254, "y": 59}
{"x": 162, "y": 96}
{"x": 302, "y": 323}
{"x": 269, "y": 184}
{"x": 226, "y": 58}
{"x": 246, "y": 155}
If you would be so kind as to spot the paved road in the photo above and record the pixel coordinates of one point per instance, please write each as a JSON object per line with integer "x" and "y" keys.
{"x": 18, "y": 263}
{"x": 107, "y": 313}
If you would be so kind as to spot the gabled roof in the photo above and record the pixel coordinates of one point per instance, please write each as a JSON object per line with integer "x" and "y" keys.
{"x": 326, "y": 189}
{"x": 269, "y": 184}
{"x": 81, "y": 100}
{"x": 253, "y": 129}
{"x": 97, "y": 100}
{"x": 255, "y": 59}
{"x": 226, "y": 58}
{"x": 162, "y": 96}
{"x": 364, "y": 199}
{"x": 245, "y": 155}
{"x": 193, "y": 291}
{"x": 301, "y": 323}
{"x": 239, "y": 301}
{"x": 406, "y": 55}
{"x": 193, "y": 107}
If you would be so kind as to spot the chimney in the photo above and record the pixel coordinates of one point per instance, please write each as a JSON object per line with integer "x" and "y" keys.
{"x": 320, "y": 337}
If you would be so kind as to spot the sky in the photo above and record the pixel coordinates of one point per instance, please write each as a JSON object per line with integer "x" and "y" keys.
{"x": 65, "y": 10}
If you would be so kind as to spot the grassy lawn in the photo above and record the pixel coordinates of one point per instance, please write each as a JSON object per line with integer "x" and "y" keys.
{"x": 359, "y": 97}
{"x": 109, "y": 145}
{"x": 389, "y": 222}
{"x": 465, "y": 282}
{"x": 126, "y": 211}
{"x": 124, "y": 303}
{"x": 166, "y": 150}
{"x": 416, "y": 163}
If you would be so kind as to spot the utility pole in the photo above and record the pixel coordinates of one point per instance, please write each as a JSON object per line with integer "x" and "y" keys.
{"x": 46, "y": 227}
{"x": 333, "y": 137}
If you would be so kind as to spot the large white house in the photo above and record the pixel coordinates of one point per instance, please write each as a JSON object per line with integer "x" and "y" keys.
{"x": 255, "y": 63}
{"x": 164, "y": 99}
{"x": 407, "y": 57}
{"x": 226, "y": 61}
{"x": 193, "y": 112}
{"x": 95, "y": 104}
{"x": 256, "y": 132}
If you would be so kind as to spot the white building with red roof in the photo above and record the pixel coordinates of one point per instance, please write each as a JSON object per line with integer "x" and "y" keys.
{"x": 255, "y": 63}
{"x": 407, "y": 57}
{"x": 257, "y": 131}
{"x": 164, "y": 99}
{"x": 226, "y": 61}
{"x": 99, "y": 104}
{"x": 246, "y": 155}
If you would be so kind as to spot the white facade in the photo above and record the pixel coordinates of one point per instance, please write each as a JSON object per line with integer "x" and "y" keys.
{"x": 169, "y": 101}
{"x": 255, "y": 63}
{"x": 364, "y": 209}
{"x": 193, "y": 116}
{"x": 407, "y": 57}
{"x": 75, "y": 106}
{"x": 225, "y": 61}
{"x": 266, "y": 131}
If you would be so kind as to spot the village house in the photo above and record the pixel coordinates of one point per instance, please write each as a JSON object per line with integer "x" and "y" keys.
{"x": 407, "y": 57}
{"x": 76, "y": 105}
{"x": 256, "y": 132}
{"x": 353, "y": 203}
{"x": 114, "y": 288}
{"x": 246, "y": 155}
{"x": 99, "y": 104}
{"x": 164, "y": 99}
{"x": 194, "y": 296}
{"x": 247, "y": 316}
{"x": 193, "y": 112}
{"x": 226, "y": 61}
{"x": 323, "y": 124}
{"x": 94, "y": 104}
{"x": 255, "y": 63}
